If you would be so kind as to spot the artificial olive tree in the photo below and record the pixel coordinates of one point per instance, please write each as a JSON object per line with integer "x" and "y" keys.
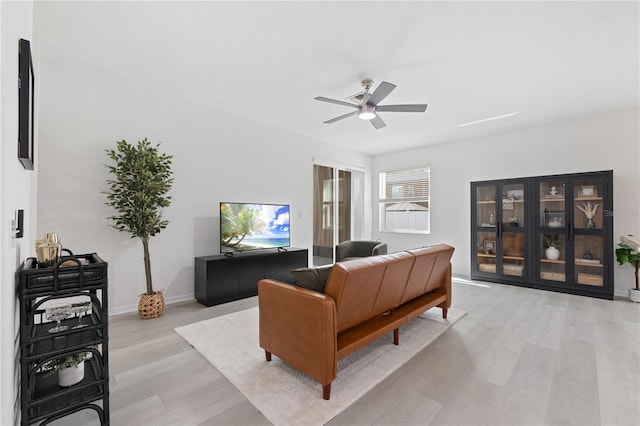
{"x": 141, "y": 179}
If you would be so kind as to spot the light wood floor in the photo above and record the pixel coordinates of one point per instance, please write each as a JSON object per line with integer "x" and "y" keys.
{"x": 520, "y": 356}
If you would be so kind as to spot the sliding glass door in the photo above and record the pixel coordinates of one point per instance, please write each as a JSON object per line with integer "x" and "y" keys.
{"x": 338, "y": 209}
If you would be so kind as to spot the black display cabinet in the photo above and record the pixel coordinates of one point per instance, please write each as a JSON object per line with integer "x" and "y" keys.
{"x": 82, "y": 278}
{"x": 548, "y": 232}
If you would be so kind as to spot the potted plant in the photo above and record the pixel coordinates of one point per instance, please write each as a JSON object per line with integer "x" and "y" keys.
{"x": 628, "y": 251}
{"x": 552, "y": 243}
{"x": 70, "y": 369}
{"x": 141, "y": 179}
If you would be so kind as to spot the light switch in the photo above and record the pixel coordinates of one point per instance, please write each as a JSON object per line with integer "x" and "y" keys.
{"x": 20, "y": 227}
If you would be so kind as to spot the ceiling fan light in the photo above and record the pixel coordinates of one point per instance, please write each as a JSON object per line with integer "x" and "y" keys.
{"x": 367, "y": 113}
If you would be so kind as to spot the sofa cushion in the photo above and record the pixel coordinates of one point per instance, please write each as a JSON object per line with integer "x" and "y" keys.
{"x": 312, "y": 278}
{"x": 323, "y": 274}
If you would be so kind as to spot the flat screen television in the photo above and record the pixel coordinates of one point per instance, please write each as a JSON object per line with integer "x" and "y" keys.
{"x": 249, "y": 226}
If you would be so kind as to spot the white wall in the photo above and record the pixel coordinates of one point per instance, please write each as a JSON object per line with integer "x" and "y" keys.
{"x": 608, "y": 142}
{"x": 17, "y": 191}
{"x": 84, "y": 109}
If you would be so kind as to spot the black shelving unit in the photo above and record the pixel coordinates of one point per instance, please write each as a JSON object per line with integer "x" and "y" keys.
{"x": 513, "y": 221}
{"x": 42, "y": 399}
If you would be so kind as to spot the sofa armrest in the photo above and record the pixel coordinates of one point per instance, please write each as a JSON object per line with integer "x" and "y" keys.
{"x": 299, "y": 326}
{"x": 379, "y": 249}
{"x": 343, "y": 250}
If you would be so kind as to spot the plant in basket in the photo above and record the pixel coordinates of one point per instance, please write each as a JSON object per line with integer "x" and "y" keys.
{"x": 141, "y": 180}
{"x": 628, "y": 251}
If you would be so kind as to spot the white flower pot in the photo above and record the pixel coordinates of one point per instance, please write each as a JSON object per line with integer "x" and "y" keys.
{"x": 70, "y": 376}
{"x": 634, "y": 295}
{"x": 552, "y": 253}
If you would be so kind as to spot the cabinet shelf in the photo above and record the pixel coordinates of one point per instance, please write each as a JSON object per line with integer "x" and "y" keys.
{"x": 53, "y": 343}
{"x": 49, "y": 398}
{"x": 592, "y": 265}
{"x": 513, "y": 257}
{"x": 487, "y": 202}
{"x": 587, "y": 199}
{"x": 559, "y": 262}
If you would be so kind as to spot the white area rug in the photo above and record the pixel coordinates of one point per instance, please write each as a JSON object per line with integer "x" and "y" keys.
{"x": 284, "y": 395}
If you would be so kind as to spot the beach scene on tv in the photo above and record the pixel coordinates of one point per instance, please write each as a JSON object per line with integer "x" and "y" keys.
{"x": 253, "y": 226}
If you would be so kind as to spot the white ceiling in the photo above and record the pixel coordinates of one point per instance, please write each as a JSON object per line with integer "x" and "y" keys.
{"x": 550, "y": 61}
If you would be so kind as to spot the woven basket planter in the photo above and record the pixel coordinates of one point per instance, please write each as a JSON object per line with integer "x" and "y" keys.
{"x": 151, "y": 306}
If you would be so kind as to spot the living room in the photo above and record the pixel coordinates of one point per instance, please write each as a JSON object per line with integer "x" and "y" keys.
{"x": 92, "y": 89}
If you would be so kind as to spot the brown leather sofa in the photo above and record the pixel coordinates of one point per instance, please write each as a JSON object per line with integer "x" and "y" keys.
{"x": 364, "y": 299}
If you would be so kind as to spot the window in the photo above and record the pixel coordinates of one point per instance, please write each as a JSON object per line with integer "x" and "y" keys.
{"x": 404, "y": 201}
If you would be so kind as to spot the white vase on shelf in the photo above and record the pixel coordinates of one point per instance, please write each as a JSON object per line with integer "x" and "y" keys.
{"x": 71, "y": 375}
{"x": 552, "y": 253}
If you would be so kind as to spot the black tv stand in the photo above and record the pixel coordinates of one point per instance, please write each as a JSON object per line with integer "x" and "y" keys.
{"x": 223, "y": 278}
{"x": 229, "y": 254}
{"x": 281, "y": 249}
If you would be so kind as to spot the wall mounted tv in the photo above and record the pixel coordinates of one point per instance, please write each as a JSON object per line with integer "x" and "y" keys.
{"x": 248, "y": 226}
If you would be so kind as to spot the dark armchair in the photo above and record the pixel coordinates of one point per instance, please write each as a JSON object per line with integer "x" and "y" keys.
{"x": 354, "y": 249}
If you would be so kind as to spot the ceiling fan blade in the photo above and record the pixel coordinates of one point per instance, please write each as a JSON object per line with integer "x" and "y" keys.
{"x": 333, "y": 120}
{"x": 335, "y": 101}
{"x": 381, "y": 92}
{"x": 403, "y": 108}
{"x": 377, "y": 122}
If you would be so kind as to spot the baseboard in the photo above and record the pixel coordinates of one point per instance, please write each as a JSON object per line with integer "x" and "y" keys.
{"x": 465, "y": 279}
{"x": 134, "y": 308}
{"x": 621, "y": 293}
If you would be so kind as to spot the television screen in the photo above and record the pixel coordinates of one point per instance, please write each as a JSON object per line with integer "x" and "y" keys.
{"x": 245, "y": 226}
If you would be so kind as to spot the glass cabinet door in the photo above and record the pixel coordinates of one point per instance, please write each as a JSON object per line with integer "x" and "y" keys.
{"x": 552, "y": 240}
{"x": 500, "y": 228}
{"x": 485, "y": 222}
{"x": 588, "y": 239}
{"x": 512, "y": 229}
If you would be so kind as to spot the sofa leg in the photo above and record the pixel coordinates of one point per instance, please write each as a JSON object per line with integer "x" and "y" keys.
{"x": 444, "y": 313}
{"x": 267, "y": 355}
{"x": 396, "y": 336}
{"x": 326, "y": 391}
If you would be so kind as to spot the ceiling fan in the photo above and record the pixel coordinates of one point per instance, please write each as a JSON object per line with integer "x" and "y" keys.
{"x": 367, "y": 107}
